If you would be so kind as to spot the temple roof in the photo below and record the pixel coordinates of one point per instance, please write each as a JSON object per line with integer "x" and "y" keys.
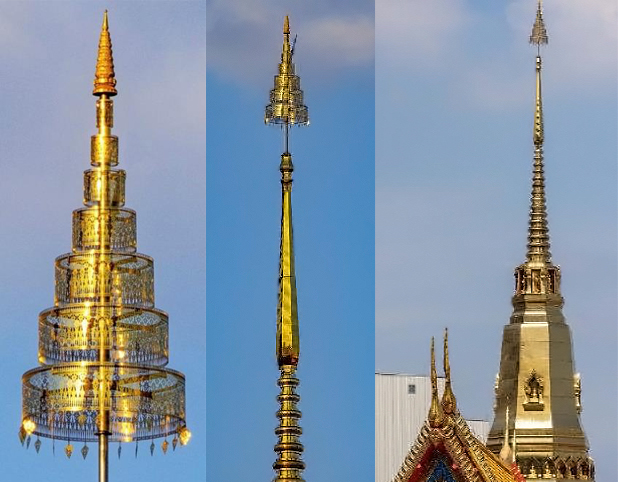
{"x": 447, "y": 450}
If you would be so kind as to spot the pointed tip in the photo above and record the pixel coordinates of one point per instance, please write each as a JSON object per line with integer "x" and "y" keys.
{"x": 105, "y": 77}
{"x": 435, "y": 410}
{"x": 286, "y": 25}
{"x": 449, "y": 403}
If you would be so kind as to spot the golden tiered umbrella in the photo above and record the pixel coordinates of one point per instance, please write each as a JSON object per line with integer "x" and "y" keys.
{"x": 103, "y": 346}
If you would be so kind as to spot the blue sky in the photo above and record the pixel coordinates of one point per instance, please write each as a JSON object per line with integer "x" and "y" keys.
{"x": 333, "y": 204}
{"x": 48, "y": 54}
{"x": 454, "y": 112}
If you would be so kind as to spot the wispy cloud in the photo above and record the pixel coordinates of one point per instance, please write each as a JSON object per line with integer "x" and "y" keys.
{"x": 484, "y": 50}
{"x": 244, "y": 39}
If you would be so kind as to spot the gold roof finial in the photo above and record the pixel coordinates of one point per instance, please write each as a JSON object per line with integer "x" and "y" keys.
{"x": 104, "y": 76}
{"x": 506, "y": 453}
{"x": 538, "y": 232}
{"x": 286, "y": 25}
{"x": 449, "y": 404}
{"x": 435, "y": 416}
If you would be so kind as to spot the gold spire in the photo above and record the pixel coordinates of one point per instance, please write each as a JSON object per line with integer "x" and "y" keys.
{"x": 449, "y": 404}
{"x": 104, "y": 77}
{"x": 538, "y": 232}
{"x": 435, "y": 416}
{"x": 286, "y": 108}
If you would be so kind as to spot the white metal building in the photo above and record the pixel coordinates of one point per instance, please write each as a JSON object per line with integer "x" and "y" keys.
{"x": 402, "y": 403}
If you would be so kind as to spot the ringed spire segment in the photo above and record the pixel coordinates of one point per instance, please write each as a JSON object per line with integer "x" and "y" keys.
{"x": 538, "y": 232}
{"x": 104, "y": 76}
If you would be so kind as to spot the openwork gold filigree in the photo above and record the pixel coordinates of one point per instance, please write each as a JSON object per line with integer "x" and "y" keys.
{"x": 103, "y": 345}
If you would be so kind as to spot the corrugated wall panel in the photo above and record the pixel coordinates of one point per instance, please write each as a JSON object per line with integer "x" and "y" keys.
{"x": 400, "y": 415}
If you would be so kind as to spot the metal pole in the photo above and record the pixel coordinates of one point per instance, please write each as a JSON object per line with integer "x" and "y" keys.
{"x": 103, "y": 274}
{"x": 103, "y": 457}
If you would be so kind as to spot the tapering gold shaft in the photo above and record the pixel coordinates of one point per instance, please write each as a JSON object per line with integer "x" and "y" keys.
{"x": 538, "y": 233}
{"x": 289, "y": 465}
{"x": 288, "y": 342}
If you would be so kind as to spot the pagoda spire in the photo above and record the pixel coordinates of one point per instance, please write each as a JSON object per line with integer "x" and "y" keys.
{"x": 536, "y": 390}
{"x": 538, "y": 232}
{"x": 286, "y": 108}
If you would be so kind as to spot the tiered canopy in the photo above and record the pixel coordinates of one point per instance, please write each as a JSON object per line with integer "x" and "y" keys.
{"x": 103, "y": 346}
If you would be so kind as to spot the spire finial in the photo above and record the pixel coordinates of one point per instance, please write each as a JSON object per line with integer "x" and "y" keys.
{"x": 539, "y": 32}
{"x": 506, "y": 454}
{"x": 435, "y": 415}
{"x": 104, "y": 76}
{"x": 286, "y": 105}
{"x": 538, "y": 233}
{"x": 449, "y": 404}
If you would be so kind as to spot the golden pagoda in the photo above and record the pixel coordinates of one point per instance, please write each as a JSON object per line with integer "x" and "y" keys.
{"x": 103, "y": 346}
{"x": 537, "y": 382}
{"x": 286, "y": 108}
{"x": 446, "y": 449}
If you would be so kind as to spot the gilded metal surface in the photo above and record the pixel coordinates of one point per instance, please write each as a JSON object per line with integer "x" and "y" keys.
{"x": 446, "y": 436}
{"x": 103, "y": 345}
{"x": 435, "y": 417}
{"x": 286, "y": 108}
{"x": 536, "y": 382}
{"x": 289, "y": 464}
{"x": 288, "y": 343}
{"x": 104, "y": 77}
{"x": 286, "y": 98}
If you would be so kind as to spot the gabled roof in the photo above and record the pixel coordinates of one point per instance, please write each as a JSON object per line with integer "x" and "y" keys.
{"x": 446, "y": 449}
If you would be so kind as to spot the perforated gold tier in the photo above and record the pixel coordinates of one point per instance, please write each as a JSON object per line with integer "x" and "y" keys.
{"x": 129, "y": 279}
{"x": 119, "y": 222}
{"x": 103, "y": 344}
{"x": 142, "y": 402}
{"x": 133, "y": 335}
{"x": 112, "y": 179}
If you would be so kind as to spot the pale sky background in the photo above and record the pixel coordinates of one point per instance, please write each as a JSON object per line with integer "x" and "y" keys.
{"x": 454, "y": 112}
{"x": 47, "y": 59}
{"x": 333, "y": 203}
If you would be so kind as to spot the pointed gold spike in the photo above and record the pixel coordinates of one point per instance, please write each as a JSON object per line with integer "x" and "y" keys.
{"x": 435, "y": 415}
{"x": 104, "y": 77}
{"x": 449, "y": 404}
{"x": 506, "y": 453}
{"x": 286, "y": 25}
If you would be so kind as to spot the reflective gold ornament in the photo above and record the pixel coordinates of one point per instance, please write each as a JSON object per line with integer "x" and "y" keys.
{"x": 103, "y": 345}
